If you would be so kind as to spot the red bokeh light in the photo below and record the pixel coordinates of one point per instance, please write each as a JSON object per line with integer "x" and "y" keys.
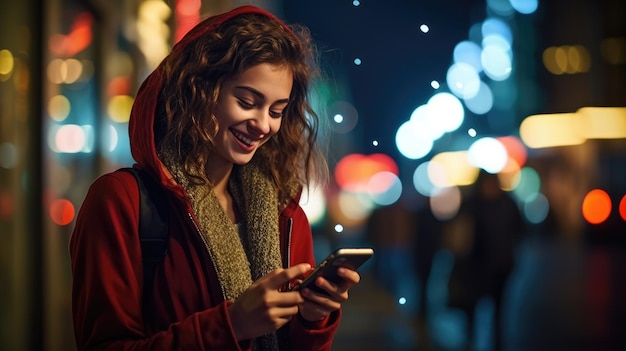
{"x": 62, "y": 211}
{"x": 515, "y": 149}
{"x": 354, "y": 171}
{"x": 77, "y": 40}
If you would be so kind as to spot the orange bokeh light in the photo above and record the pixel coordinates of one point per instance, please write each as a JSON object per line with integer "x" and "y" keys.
{"x": 62, "y": 211}
{"x": 119, "y": 86}
{"x": 596, "y": 206}
{"x": 622, "y": 207}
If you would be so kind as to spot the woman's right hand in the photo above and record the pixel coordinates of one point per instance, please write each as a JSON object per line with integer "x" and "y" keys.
{"x": 263, "y": 308}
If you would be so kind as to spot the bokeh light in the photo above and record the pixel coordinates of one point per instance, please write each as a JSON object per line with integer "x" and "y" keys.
{"x": 354, "y": 171}
{"x": 384, "y": 188}
{"x": 153, "y": 31}
{"x": 412, "y": 140}
{"x": 313, "y": 203}
{"x": 482, "y": 102}
{"x": 345, "y": 116}
{"x": 8, "y": 155}
{"x": 496, "y": 62}
{"x": 489, "y": 154}
{"x": 59, "y": 108}
{"x": 62, "y": 211}
{"x": 447, "y": 110}
{"x": 77, "y": 40}
{"x": 446, "y": 203}
{"x": 622, "y": 207}
{"x": 7, "y": 204}
{"x": 468, "y": 52}
{"x": 525, "y": 7}
{"x": 463, "y": 80}
{"x": 453, "y": 168}
{"x": 495, "y": 26}
{"x": 501, "y": 7}
{"x": 536, "y": 208}
{"x": 549, "y": 130}
{"x": 528, "y": 185}
{"x": 596, "y": 206}
{"x": 422, "y": 181}
{"x": 71, "y": 138}
{"x": 7, "y": 63}
{"x": 61, "y": 71}
{"x": 515, "y": 149}
{"x": 119, "y": 108}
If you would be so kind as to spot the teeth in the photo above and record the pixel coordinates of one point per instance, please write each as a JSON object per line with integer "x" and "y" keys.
{"x": 242, "y": 137}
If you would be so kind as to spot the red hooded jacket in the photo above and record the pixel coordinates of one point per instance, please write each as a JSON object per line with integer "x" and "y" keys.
{"x": 188, "y": 309}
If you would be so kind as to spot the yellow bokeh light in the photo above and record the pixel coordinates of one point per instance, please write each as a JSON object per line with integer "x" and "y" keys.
{"x": 601, "y": 122}
{"x": 456, "y": 167}
{"x": 54, "y": 71}
{"x": 119, "y": 108}
{"x": 59, "y": 108}
{"x": 562, "y": 129}
{"x": 549, "y": 61}
{"x": 567, "y": 59}
{"x": 560, "y": 56}
{"x": 71, "y": 70}
{"x": 550, "y": 130}
{"x": 7, "y": 63}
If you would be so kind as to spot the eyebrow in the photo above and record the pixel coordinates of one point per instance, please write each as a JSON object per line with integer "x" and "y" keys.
{"x": 259, "y": 94}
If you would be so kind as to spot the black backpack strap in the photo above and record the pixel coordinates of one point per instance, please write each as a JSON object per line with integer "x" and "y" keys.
{"x": 153, "y": 223}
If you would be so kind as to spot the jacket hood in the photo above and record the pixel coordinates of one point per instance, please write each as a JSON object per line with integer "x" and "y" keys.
{"x": 142, "y": 116}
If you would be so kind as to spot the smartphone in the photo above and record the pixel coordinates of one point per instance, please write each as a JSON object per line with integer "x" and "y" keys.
{"x": 351, "y": 258}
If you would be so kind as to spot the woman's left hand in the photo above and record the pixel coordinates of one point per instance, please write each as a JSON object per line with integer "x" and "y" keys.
{"x": 317, "y": 306}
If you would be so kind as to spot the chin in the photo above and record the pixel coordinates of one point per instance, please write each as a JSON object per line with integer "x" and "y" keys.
{"x": 241, "y": 161}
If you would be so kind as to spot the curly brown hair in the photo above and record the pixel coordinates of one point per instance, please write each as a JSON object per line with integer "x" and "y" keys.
{"x": 192, "y": 83}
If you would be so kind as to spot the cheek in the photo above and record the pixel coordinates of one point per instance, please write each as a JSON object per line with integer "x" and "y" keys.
{"x": 275, "y": 125}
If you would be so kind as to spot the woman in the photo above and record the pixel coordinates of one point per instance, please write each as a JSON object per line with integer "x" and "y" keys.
{"x": 225, "y": 127}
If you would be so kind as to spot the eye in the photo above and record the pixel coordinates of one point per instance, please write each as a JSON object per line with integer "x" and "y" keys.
{"x": 275, "y": 114}
{"x": 245, "y": 104}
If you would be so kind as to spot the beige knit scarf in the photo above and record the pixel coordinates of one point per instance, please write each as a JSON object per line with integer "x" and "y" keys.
{"x": 239, "y": 259}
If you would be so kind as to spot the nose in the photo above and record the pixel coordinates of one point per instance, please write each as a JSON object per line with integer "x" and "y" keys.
{"x": 260, "y": 124}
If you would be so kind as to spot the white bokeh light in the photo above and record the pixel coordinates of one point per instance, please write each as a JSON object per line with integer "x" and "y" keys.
{"x": 411, "y": 142}
{"x": 463, "y": 80}
{"x": 489, "y": 154}
{"x": 446, "y": 110}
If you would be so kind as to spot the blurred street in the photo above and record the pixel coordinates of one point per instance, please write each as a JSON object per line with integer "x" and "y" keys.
{"x": 560, "y": 297}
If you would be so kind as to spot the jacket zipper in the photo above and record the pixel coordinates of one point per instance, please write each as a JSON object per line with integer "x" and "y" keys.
{"x": 288, "y": 240}
{"x": 206, "y": 245}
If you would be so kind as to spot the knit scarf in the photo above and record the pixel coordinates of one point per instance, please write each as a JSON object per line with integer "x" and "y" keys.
{"x": 238, "y": 259}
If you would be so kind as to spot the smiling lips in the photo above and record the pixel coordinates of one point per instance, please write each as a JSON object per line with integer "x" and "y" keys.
{"x": 242, "y": 138}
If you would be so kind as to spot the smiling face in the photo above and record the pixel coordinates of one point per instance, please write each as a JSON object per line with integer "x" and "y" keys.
{"x": 249, "y": 111}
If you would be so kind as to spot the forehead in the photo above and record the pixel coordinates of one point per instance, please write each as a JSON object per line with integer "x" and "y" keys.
{"x": 272, "y": 81}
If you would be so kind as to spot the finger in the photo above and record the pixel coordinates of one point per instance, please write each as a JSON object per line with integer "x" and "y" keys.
{"x": 326, "y": 302}
{"x": 280, "y": 277}
{"x": 350, "y": 277}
